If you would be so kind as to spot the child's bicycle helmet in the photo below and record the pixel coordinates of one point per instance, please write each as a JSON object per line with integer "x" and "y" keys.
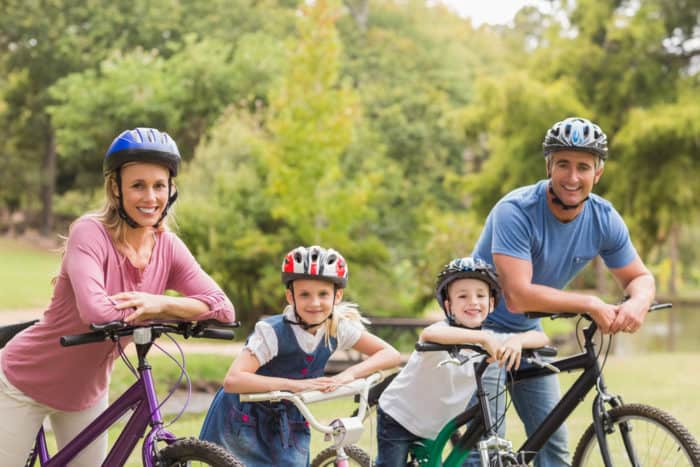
{"x": 315, "y": 262}
{"x": 463, "y": 268}
{"x": 576, "y": 134}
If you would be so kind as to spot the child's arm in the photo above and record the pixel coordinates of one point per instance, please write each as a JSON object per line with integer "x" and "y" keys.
{"x": 454, "y": 335}
{"x": 381, "y": 356}
{"x": 510, "y": 352}
{"x": 241, "y": 378}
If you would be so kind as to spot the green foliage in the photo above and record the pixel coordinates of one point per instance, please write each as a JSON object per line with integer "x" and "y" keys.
{"x": 659, "y": 146}
{"x": 505, "y": 126}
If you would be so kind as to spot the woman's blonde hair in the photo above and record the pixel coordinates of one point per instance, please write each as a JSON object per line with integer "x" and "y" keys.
{"x": 108, "y": 214}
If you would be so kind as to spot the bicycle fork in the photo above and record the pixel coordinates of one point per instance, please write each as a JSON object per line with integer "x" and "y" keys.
{"x": 603, "y": 426}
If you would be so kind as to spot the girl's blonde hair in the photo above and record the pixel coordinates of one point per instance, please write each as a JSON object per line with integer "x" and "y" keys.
{"x": 341, "y": 310}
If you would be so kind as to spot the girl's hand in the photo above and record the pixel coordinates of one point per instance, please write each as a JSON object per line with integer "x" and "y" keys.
{"x": 312, "y": 384}
{"x": 509, "y": 353}
{"x": 145, "y": 306}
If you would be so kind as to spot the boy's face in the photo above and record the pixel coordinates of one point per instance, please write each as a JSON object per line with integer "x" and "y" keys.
{"x": 469, "y": 300}
{"x": 314, "y": 299}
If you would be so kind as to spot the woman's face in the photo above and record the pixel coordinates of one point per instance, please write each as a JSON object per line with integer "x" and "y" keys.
{"x": 314, "y": 299}
{"x": 145, "y": 191}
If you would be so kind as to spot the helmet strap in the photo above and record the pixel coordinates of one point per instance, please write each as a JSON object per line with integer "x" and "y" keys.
{"x": 556, "y": 200}
{"x": 300, "y": 322}
{"x": 171, "y": 200}
{"x": 453, "y": 322}
{"x": 120, "y": 210}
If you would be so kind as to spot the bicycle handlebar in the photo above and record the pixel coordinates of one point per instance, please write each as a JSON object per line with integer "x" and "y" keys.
{"x": 300, "y": 400}
{"x": 542, "y": 314}
{"x": 116, "y": 329}
{"x": 546, "y": 351}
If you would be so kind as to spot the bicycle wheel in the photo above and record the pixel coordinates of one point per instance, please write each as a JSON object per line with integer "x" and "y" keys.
{"x": 195, "y": 452}
{"x": 656, "y": 438}
{"x": 356, "y": 456}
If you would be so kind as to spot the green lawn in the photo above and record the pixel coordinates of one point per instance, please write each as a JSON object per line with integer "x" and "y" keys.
{"x": 25, "y": 274}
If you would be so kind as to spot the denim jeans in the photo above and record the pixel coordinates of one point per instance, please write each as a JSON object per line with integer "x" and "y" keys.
{"x": 256, "y": 433}
{"x": 393, "y": 441}
{"x": 533, "y": 400}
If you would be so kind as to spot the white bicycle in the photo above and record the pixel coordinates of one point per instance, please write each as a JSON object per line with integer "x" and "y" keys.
{"x": 343, "y": 432}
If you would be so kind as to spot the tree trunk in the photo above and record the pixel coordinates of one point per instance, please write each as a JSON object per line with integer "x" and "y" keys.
{"x": 359, "y": 9}
{"x": 48, "y": 184}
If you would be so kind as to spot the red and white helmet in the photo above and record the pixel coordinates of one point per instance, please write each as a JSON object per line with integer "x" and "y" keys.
{"x": 315, "y": 262}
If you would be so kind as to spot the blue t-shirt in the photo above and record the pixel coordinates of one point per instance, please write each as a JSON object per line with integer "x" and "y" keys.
{"x": 521, "y": 225}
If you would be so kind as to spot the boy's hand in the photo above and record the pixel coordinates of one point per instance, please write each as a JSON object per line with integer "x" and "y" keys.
{"x": 508, "y": 355}
{"x": 492, "y": 346}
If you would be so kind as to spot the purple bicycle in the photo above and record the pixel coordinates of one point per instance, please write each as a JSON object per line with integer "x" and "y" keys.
{"x": 141, "y": 398}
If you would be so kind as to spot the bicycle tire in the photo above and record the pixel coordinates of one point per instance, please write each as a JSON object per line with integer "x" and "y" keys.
{"x": 189, "y": 451}
{"x": 658, "y": 438}
{"x": 326, "y": 458}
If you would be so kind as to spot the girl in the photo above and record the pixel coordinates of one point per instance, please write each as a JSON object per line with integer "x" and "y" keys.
{"x": 289, "y": 352}
{"x": 118, "y": 262}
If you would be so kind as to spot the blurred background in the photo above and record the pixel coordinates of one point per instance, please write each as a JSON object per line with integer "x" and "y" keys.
{"x": 385, "y": 129}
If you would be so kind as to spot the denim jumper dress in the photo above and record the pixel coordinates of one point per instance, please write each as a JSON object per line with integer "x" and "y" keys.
{"x": 269, "y": 433}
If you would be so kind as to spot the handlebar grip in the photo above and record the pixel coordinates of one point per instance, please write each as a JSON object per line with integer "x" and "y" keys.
{"x": 223, "y": 334}
{"x": 78, "y": 339}
{"x": 435, "y": 347}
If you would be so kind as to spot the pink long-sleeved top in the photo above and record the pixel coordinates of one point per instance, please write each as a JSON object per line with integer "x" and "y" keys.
{"x": 74, "y": 378}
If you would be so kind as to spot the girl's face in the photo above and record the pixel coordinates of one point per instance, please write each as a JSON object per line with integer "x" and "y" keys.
{"x": 314, "y": 299}
{"x": 145, "y": 191}
{"x": 469, "y": 300}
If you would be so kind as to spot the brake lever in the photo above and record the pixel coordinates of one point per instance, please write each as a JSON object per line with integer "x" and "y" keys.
{"x": 455, "y": 359}
{"x": 542, "y": 364}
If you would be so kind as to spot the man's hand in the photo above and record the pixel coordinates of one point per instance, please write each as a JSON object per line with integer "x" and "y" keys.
{"x": 603, "y": 314}
{"x": 630, "y": 316}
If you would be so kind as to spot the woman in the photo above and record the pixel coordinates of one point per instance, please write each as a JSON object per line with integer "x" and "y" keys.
{"x": 117, "y": 264}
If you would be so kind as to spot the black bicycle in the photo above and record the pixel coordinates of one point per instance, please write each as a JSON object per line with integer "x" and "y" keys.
{"x": 620, "y": 435}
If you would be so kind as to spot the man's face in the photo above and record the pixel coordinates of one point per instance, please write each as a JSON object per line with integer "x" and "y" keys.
{"x": 573, "y": 175}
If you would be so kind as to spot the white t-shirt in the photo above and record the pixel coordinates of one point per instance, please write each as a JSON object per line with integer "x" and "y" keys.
{"x": 424, "y": 396}
{"x": 263, "y": 342}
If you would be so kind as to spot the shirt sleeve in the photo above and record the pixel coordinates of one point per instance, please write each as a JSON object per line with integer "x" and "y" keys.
{"x": 263, "y": 342}
{"x": 617, "y": 250}
{"x": 84, "y": 264}
{"x": 188, "y": 278}
{"x": 511, "y": 232}
{"x": 349, "y": 332}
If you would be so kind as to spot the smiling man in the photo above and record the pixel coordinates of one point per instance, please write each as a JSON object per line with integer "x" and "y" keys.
{"x": 539, "y": 237}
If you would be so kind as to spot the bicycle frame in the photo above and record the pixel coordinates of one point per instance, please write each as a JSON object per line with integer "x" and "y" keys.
{"x": 478, "y": 418}
{"x": 142, "y": 398}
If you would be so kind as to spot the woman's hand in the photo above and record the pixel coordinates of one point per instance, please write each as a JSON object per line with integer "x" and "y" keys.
{"x": 145, "y": 306}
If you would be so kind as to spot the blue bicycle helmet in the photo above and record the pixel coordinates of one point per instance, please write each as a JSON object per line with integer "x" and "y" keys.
{"x": 142, "y": 145}
{"x": 576, "y": 134}
{"x": 465, "y": 268}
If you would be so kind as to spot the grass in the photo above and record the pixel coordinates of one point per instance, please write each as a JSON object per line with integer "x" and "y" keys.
{"x": 25, "y": 275}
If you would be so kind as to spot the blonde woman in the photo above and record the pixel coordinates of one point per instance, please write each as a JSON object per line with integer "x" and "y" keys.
{"x": 289, "y": 352}
{"x": 117, "y": 264}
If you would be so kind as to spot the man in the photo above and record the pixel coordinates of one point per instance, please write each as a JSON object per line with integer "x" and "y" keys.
{"x": 539, "y": 237}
